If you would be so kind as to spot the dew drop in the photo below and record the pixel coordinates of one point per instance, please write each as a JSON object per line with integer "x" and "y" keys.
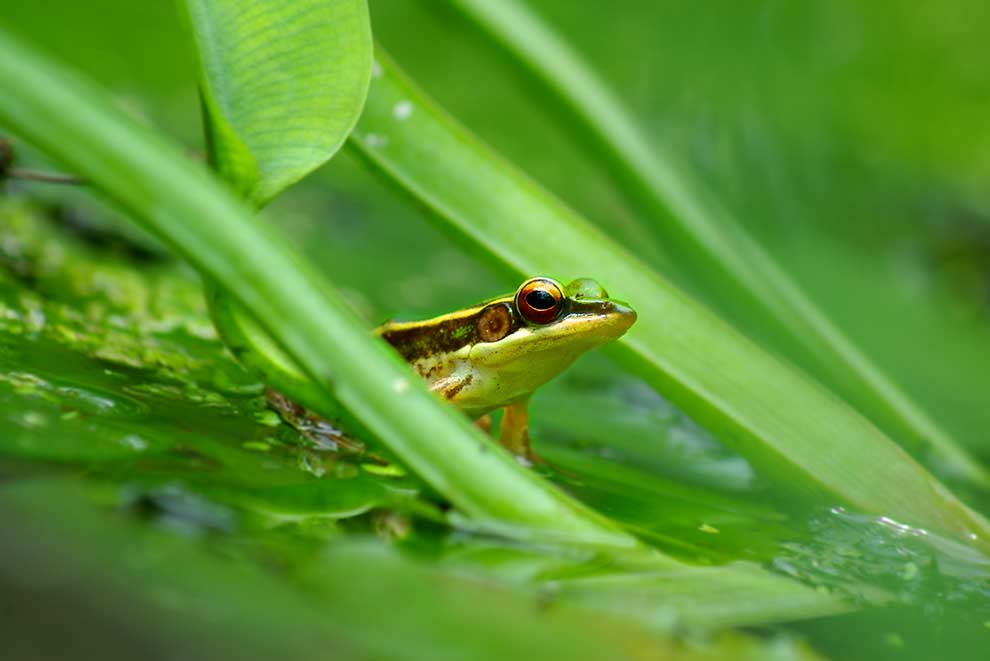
{"x": 134, "y": 442}
{"x": 402, "y": 110}
{"x": 374, "y": 140}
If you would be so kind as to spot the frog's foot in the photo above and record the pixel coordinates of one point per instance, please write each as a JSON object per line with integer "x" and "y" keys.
{"x": 315, "y": 429}
{"x": 514, "y": 433}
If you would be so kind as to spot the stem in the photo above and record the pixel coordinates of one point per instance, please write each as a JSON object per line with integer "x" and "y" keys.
{"x": 46, "y": 177}
{"x": 8, "y": 171}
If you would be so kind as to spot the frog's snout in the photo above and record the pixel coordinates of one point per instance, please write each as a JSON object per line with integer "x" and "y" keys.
{"x": 612, "y": 319}
{"x": 624, "y": 315}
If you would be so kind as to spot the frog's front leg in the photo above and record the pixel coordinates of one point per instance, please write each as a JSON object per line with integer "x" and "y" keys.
{"x": 450, "y": 386}
{"x": 514, "y": 431}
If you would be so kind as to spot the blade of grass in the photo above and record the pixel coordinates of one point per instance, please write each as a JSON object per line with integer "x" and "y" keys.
{"x": 184, "y": 205}
{"x": 810, "y": 441}
{"x": 710, "y": 243}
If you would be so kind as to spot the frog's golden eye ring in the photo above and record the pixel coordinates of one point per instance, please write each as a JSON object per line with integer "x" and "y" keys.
{"x": 539, "y": 300}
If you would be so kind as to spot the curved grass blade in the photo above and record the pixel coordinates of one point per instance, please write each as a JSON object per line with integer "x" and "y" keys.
{"x": 810, "y": 441}
{"x": 283, "y": 84}
{"x": 709, "y": 241}
{"x": 183, "y": 204}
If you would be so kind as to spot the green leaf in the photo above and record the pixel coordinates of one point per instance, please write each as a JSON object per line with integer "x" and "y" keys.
{"x": 182, "y": 203}
{"x": 810, "y": 441}
{"x": 283, "y": 84}
{"x": 709, "y": 243}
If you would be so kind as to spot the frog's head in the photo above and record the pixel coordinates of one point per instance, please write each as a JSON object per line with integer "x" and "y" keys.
{"x": 537, "y": 332}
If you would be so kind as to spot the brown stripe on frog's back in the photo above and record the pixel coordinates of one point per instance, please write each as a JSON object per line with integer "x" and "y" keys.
{"x": 445, "y": 334}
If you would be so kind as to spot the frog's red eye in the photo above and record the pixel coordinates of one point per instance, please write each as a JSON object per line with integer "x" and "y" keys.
{"x": 539, "y": 300}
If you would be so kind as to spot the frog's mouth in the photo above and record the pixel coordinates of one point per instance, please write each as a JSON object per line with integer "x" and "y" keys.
{"x": 596, "y": 321}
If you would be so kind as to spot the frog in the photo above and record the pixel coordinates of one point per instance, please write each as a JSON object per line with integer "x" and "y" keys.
{"x": 498, "y": 353}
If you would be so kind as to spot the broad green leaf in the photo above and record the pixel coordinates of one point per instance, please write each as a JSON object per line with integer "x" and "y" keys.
{"x": 810, "y": 441}
{"x": 710, "y": 243}
{"x": 184, "y": 205}
{"x": 283, "y": 84}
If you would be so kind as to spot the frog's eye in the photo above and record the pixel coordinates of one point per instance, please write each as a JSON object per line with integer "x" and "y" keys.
{"x": 539, "y": 300}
